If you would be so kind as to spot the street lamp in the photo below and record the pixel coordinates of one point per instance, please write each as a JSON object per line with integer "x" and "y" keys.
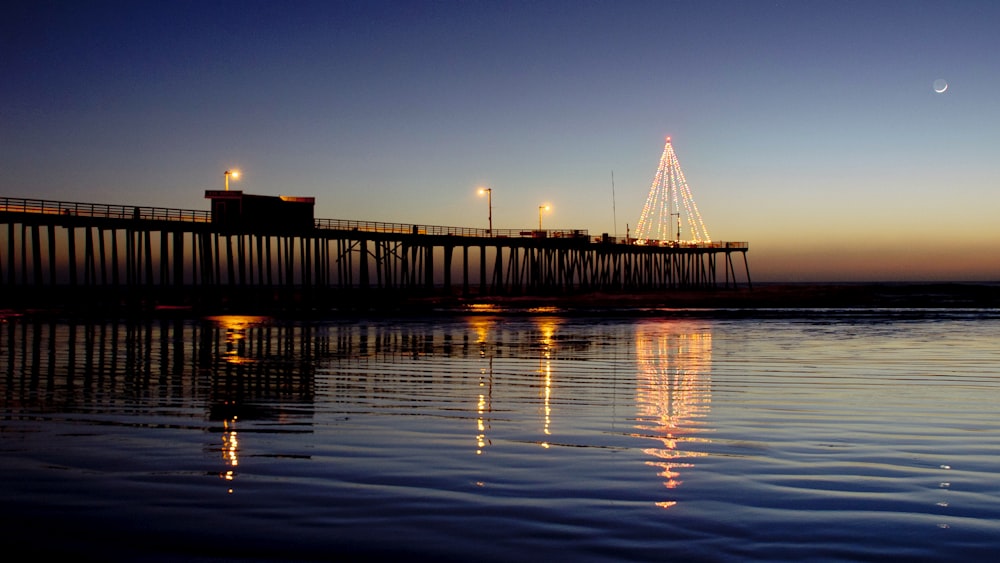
{"x": 540, "y": 209}
{"x": 234, "y": 173}
{"x": 489, "y": 201}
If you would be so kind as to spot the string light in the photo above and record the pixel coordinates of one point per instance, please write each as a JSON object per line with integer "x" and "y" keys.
{"x": 669, "y": 196}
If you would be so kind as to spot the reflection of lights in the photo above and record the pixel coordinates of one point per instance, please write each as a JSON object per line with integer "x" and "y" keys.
{"x": 547, "y": 370}
{"x": 230, "y": 445}
{"x": 230, "y": 450}
{"x": 482, "y": 328}
{"x": 483, "y": 307}
{"x": 544, "y": 309}
{"x": 547, "y": 327}
{"x": 673, "y": 392}
{"x": 236, "y": 327}
{"x": 484, "y": 404}
{"x": 237, "y": 322}
{"x": 481, "y": 424}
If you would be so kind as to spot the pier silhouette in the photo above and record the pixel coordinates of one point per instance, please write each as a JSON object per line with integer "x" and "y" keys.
{"x": 269, "y": 251}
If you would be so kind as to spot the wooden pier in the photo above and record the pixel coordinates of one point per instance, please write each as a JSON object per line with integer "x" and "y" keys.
{"x": 69, "y": 251}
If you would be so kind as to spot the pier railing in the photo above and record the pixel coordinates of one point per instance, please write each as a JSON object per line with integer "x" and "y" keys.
{"x": 689, "y": 244}
{"x": 103, "y": 211}
{"x": 407, "y": 228}
{"x": 108, "y": 211}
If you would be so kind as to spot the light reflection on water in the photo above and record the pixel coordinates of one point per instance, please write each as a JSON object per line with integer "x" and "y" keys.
{"x": 553, "y": 436}
{"x": 673, "y": 393}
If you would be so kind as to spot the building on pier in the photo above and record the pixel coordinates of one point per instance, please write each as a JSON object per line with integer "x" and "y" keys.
{"x": 237, "y": 211}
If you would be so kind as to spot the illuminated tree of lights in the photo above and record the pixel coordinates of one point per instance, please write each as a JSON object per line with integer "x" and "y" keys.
{"x": 669, "y": 202}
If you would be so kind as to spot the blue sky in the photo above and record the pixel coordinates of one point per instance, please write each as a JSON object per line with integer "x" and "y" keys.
{"x": 810, "y": 129}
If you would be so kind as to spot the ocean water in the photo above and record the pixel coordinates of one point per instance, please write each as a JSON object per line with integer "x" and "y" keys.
{"x": 811, "y": 435}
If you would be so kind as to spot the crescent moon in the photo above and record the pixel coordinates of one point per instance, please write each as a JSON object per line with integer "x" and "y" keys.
{"x": 940, "y": 85}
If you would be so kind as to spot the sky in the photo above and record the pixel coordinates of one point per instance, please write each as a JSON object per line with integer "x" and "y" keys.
{"x": 810, "y": 129}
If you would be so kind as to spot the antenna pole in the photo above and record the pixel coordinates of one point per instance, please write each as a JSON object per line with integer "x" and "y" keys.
{"x": 614, "y": 210}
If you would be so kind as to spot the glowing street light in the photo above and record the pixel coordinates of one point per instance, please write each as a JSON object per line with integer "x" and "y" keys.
{"x": 489, "y": 201}
{"x": 234, "y": 173}
{"x": 541, "y": 208}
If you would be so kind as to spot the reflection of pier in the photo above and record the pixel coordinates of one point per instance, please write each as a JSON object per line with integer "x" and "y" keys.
{"x": 241, "y": 369}
{"x": 673, "y": 392}
{"x": 166, "y": 255}
{"x": 246, "y": 380}
{"x": 232, "y": 366}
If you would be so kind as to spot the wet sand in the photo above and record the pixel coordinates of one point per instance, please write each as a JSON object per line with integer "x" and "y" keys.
{"x": 766, "y": 297}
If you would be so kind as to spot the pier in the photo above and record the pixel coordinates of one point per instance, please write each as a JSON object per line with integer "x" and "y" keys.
{"x": 273, "y": 252}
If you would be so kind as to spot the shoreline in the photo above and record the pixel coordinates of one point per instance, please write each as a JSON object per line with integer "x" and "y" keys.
{"x": 773, "y": 298}
{"x": 859, "y": 295}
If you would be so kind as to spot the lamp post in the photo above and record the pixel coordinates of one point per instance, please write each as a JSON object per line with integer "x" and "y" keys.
{"x": 489, "y": 202}
{"x": 234, "y": 173}
{"x": 540, "y": 209}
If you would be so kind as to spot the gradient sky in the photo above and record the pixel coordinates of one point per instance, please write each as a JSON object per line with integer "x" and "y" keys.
{"x": 810, "y": 129}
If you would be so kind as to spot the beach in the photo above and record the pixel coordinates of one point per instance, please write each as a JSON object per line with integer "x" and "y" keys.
{"x": 764, "y": 297}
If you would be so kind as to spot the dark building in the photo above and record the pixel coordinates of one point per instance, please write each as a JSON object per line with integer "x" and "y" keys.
{"x": 236, "y": 211}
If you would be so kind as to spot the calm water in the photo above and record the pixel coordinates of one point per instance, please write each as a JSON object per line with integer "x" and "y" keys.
{"x": 823, "y": 436}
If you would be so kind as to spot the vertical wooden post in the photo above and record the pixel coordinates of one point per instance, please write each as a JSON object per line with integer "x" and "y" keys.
{"x": 89, "y": 260}
{"x": 448, "y": 252}
{"x": 429, "y": 266}
{"x": 178, "y": 240}
{"x": 115, "y": 277}
{"x": 404, "y": 266}
{"x": 147, "y": 237}
{"x": 267, "y": 253}
{"x": 289, "y": 261}
{"x": 747, "y": 265}
{"x": 241, "y": 257}
{"x": 10, "y": 254}
{"x": 363, "y": 263}
{"x": 164, "y": 260}
{"x": 498, "y": 285}
{"x": 216, "y": 257}
{"x": 482, "y": 269}
{"x": 36, "y": 255}
{"x": 230, "y": 265}
{"x": 305, "y": 255}
{"x": 52, "y": 254}
{"x": 260, "y": 259}
{"x": 465, "y": 269}
{"x": 71, "y": 245}
{"x": 378, "y": 264}
{"x": 102, "y": 250}
{"x": 318, "y": 266}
